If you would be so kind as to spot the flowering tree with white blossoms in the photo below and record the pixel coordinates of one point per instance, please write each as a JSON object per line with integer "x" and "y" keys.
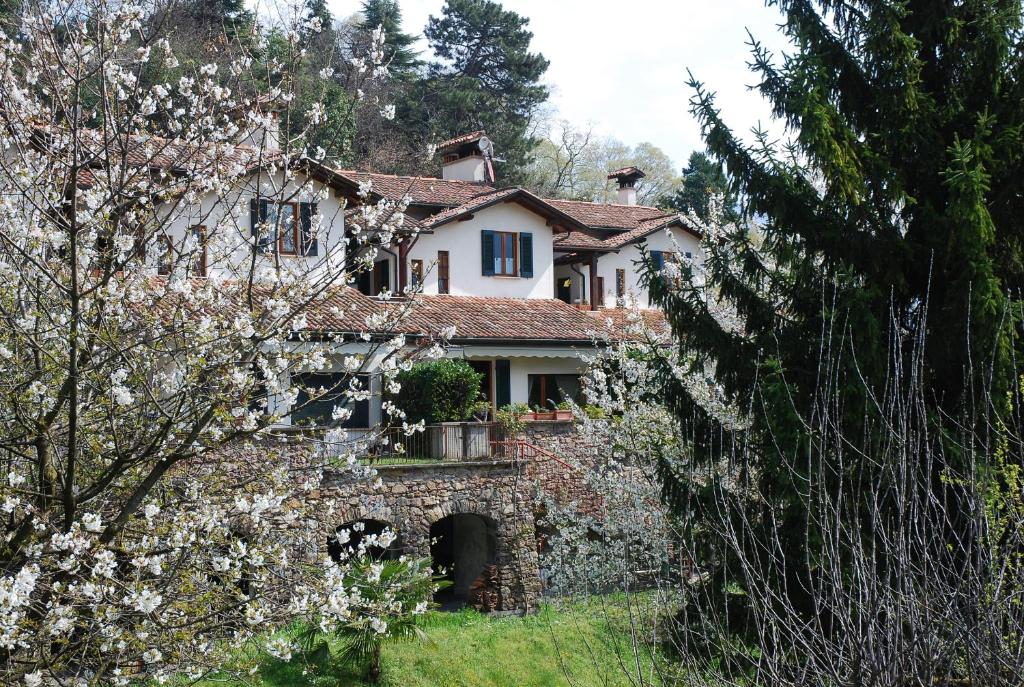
{"x": 149, "y": 521}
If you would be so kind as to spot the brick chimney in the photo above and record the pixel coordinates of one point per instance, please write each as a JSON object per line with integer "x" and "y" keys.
{"x": 627, "y": 178}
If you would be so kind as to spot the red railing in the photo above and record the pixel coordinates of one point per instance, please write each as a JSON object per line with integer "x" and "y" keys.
{"x": 519, "y": 449}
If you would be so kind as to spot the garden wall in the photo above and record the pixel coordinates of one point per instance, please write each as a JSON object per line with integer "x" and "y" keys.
{"x": 412, "y": 498}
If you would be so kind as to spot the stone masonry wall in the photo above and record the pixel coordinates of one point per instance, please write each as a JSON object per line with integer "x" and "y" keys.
{"x": 411, "y": 498}
{"x": 561, "y": 475}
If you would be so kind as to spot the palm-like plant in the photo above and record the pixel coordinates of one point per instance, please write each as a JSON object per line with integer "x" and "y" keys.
{"x": 385, "y": 598}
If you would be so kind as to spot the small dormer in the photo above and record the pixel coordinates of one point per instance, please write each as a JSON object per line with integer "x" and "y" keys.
{"x": 627, "y": 178}
{"x": 467, "y": 158}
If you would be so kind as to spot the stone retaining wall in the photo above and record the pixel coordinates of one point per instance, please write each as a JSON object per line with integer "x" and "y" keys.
{"x": 411, "y": 498}
{"x": 562, "y": 477}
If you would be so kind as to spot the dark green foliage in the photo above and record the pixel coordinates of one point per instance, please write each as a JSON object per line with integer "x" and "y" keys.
{"x": 702, "y": 179}
{"x": 483, "y": 77}
{"x": 445, "y": 390}
{"x": 399, "y": 53}
{"x": 894, "y": 219}
{"x": 212, "y": 18}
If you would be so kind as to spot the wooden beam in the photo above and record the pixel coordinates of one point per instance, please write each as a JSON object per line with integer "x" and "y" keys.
{"x": 403, "y": 255}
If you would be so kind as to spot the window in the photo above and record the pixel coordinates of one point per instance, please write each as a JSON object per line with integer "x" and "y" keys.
{"x": 168, "y": 257}
{"x": 320, "y": 393}
{"x": 417, "y": 274}
{"x": 620, "y": 284}
{"x": 381, "y": 277}
{"x": 443, "y": 283}
{"x": 283, "y": 219}
{"x": 600, "y": 290}
{"x": 165, "y": 255}
{"x": 197, "y": 266}
{"x": 286, "y": 226}
{"x": 547, "y": 391}
{"x": 505, "y": 254}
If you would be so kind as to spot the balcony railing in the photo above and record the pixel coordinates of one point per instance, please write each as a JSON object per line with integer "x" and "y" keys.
{"x": 448, "y": 442}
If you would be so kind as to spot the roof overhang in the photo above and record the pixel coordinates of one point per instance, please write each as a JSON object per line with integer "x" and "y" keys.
{"x": 555, "y": 217}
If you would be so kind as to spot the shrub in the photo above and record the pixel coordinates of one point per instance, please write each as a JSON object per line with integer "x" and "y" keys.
{"x": 446, "y": 390}
{"x": 510, "y": 418}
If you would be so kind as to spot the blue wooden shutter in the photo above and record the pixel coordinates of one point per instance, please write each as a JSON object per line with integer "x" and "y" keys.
{"x": 487, "y": 253}
{"x": 526, "y": 255}
{"x": 258, "y": 210}
{"x": 309, "y": 243}
{"x": 658, "y": 258}
{"x": 502, "y": 383}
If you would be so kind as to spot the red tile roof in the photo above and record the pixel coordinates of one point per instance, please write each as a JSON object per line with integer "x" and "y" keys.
{"x": 503, "y": 319}
{"x": 577, "y": 240}
{"x": 423, "y": 190}
{"x": 479, "y": 201}
{"x": 344, "y": 310}
{"x": 648, "y": 227}
{"x": 622, "y": 322}
{"x": 627, "y": 172}
{"x": 607, "y": 215}
{"x": 528, "y": 200}
{"x": 460, "y": 140}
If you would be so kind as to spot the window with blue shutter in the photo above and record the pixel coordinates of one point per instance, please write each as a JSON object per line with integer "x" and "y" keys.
{"x": 258, "y": 211}
{"x": 502, "y": 383}
{"x": 487, "y": 253}
{"x": 309, "y": 242}
{"x": 500, "y": 254}
{"x": 658, "y": 258}
{"x": 526, "y": 255}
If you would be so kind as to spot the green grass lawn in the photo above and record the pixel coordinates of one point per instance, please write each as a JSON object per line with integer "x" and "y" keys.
{"x": 473, "y": 650}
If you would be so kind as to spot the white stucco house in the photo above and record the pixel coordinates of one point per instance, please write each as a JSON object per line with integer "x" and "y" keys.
{"x": 525, "y": 282}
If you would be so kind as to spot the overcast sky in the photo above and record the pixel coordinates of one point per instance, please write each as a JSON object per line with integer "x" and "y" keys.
{"x": 621, "y": 66}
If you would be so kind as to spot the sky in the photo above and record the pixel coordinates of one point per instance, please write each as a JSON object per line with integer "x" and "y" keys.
{"x": 621, "y": 67}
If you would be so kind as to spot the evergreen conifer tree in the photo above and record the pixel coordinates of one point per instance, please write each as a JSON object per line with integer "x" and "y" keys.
{"x": 893, "y": 219}
{"x": 387, "y": 14}
{"x": 484, "y": 77}
{"x": 702, "y": 179}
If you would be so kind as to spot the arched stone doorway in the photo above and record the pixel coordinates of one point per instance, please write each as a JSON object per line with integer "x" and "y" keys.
{"x": 348, "y": 538}
{"x": 461, "y": 546}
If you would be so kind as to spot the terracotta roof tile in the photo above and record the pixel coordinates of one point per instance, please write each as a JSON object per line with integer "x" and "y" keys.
{"x": 423, "y": 190}
{"x": 607, "y": 215}
{"x": 627, "y": 172}
{"x": 648, "y": 227}
{"x": 472, "y": 204}
{"x": 622, "y": 322}
{"x": 460, "y": 140}
{"x": 503, "y": 319}
{"x": 577, "y": 240}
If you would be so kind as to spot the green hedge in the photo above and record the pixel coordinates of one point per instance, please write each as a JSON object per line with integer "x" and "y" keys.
{"x": 446, "y": 390}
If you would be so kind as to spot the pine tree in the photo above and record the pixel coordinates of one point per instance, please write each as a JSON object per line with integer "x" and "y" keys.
{"x": 387, "y": 14}
{"x": 894, "y": 218}
{"x": 484, "y": 77}
{"x": 702, "y": 179}
{"x": 214, "y": 17}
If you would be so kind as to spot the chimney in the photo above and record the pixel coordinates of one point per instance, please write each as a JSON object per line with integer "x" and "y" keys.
{"x": 627, "y": 178}
{"x": 467, "y": 158}
{"x": 259, "y": 124}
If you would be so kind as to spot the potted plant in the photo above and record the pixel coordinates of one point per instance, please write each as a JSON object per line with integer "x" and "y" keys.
{"x": 563, "y": 411}
{"x": 512, "y": 419}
